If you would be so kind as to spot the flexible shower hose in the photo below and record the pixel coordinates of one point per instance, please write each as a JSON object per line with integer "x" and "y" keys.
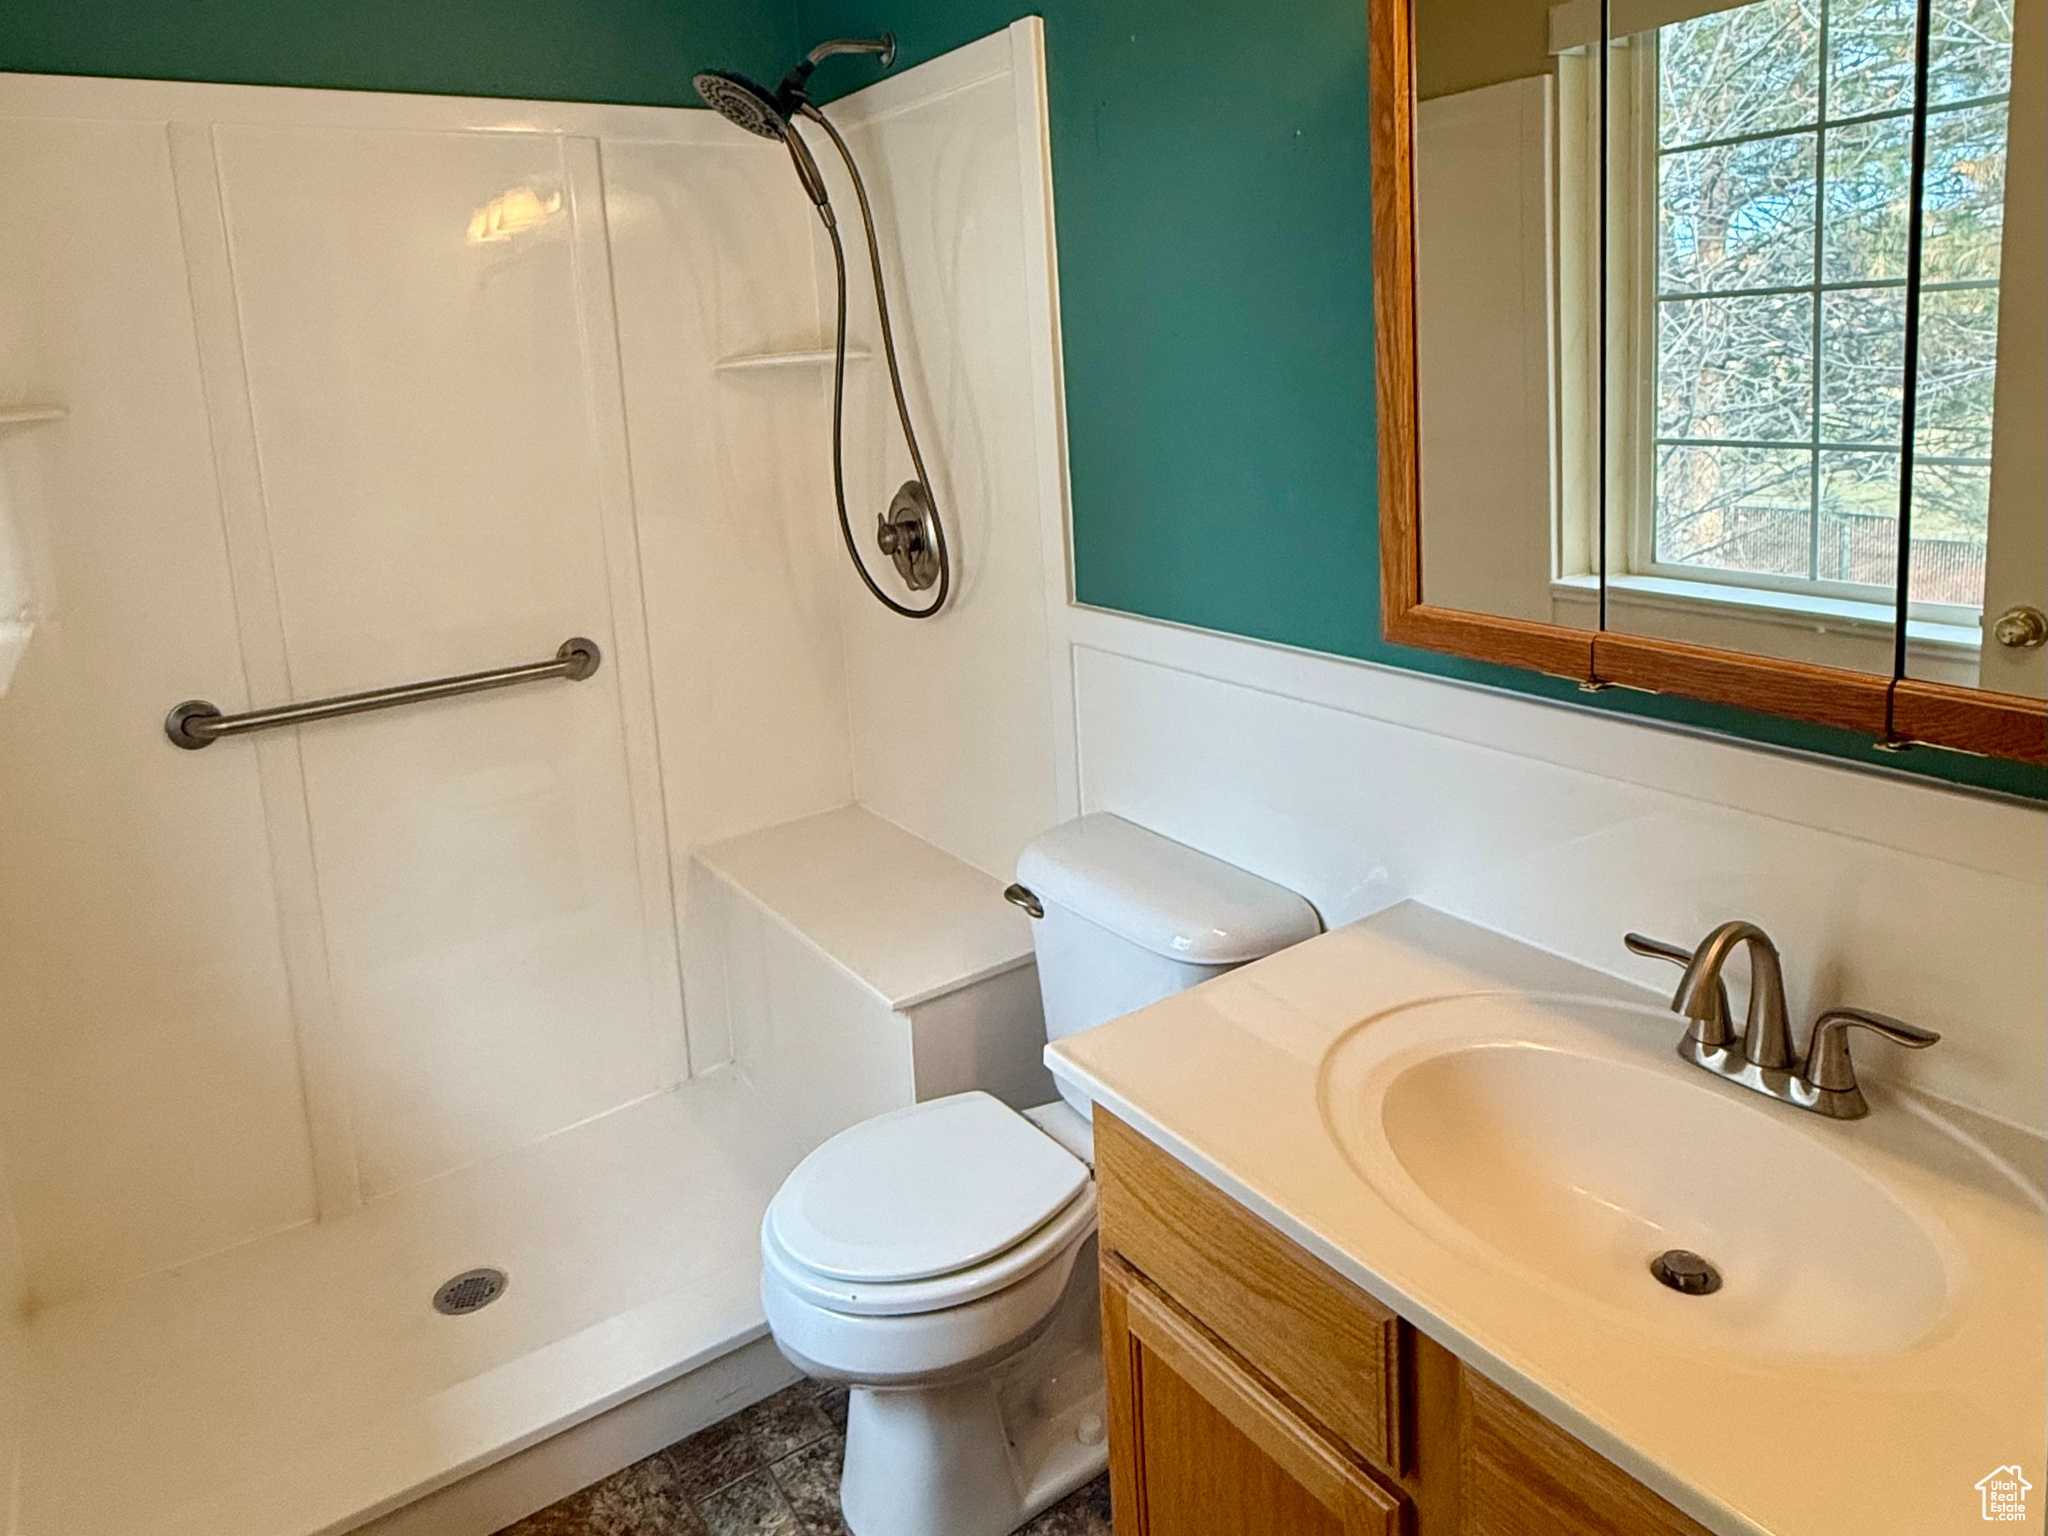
{"x": 831, "y": 224}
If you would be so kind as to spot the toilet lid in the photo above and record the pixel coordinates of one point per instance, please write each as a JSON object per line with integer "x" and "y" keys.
{"x": 923, "y": 1192}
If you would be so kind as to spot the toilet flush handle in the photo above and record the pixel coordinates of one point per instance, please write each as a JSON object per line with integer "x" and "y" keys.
{"x": 1021, "y": 896}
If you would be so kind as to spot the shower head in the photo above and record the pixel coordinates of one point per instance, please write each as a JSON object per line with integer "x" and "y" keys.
{"x": 911, "y": 535}
{"x": 759, "y": 110}
{"x": 753, "y": 107}
{"x": 739, "y": 100}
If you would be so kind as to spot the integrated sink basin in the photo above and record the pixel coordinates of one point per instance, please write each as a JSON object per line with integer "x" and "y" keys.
{"x": 1496, "y": 1144}
{"x": 1564, "y": 1140}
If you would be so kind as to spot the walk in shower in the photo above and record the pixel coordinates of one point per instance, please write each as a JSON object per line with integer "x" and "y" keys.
{"x": 390, "y": 1091}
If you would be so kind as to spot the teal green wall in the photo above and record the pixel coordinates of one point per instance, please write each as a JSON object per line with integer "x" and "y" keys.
{"x": 1211, "y": 174}
{"x": 1211, "y": 178}
{"x": 572, "y": 50}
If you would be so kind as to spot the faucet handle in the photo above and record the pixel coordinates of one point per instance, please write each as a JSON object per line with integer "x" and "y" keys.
{"x": 1714, "y": 1032}
{"x": 1827, "y": 1054}
{"x": 1657, "y": 949}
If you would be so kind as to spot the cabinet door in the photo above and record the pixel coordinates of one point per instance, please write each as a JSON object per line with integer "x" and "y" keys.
{"x": 1325, "y": 1344}
{"x": 1202, "y": 1446}
{"x": 1524, "y": 1476}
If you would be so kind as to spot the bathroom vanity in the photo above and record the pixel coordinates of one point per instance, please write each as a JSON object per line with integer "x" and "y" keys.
{"x": 1378, "y": 1215}
{"x": 1246, "y": 1373}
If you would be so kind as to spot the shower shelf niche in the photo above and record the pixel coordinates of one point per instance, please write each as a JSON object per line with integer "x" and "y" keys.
{"x": 759, "y": 362}
{"x": 30, "y": 415}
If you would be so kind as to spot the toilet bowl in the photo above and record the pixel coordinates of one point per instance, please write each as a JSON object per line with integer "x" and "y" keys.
{"x": 940, "y": 1261}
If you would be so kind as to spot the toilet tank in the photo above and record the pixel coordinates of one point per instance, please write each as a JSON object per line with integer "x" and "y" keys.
{"x": 1131, "y": 917}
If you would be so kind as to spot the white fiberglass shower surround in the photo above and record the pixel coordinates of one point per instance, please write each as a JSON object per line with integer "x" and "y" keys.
{"x": 303, "y": 393}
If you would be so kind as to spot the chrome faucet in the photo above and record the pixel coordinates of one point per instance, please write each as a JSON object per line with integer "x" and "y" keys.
{"x": 1827, "y": 1082}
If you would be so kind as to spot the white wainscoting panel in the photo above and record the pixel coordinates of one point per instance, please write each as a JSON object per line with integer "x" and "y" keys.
{"x": 1359, "y": 786}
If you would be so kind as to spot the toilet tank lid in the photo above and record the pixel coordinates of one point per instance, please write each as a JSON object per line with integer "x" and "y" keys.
{"x": 1162, "y": 895}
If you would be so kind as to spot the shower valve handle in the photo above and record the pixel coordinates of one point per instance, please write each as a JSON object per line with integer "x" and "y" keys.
{"x": 908, "y": 534}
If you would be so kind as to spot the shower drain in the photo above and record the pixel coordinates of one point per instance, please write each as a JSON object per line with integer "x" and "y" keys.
{"x": 470, "y": 1291}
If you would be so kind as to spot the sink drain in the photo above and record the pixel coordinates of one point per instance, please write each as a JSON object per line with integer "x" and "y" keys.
{"x": 469, "y": 1291}
{"x": 1686, "y": 1272}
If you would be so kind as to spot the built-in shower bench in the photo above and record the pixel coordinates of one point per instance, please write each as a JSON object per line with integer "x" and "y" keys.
{"x": 848, "y": 967}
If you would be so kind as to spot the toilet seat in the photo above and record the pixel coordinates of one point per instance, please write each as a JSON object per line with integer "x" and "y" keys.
{"x": 921, "y": 1195}
{"x": 924, "y": 1243}
{"x": 904, "y": 1298}
{"x": 921, "y": 1348}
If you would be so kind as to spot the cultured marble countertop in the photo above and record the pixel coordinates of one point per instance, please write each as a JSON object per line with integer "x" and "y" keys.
{"x": 1225, "y": 1078}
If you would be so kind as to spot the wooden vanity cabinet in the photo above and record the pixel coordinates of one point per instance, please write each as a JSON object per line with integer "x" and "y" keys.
{"x": 1209, "y": 1447}
{"x": 1253, "y": 1391}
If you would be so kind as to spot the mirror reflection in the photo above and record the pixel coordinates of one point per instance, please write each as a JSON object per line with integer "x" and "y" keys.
{"x": 1980, "y": 514}
{"x": 1700, "y": 428}
{"x": 1506, "y": 312}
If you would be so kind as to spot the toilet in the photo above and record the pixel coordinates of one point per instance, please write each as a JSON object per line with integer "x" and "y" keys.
{"x": 940, "y": 1260}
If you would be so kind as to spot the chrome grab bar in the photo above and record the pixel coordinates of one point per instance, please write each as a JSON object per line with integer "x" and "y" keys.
{"x": 197, "y": 723}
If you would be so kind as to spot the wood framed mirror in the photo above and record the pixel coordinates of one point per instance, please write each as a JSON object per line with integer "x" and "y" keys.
{"x": 1645, "y": 296}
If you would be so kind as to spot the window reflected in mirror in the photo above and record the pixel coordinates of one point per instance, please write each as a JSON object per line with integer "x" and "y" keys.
{"x": 1665, "y": 297}
{"x": 1778, "y": 303}
{"x": 1980, "y": 478}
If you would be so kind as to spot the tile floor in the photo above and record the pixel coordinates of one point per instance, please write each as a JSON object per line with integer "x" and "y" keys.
{"x": 770, "y": 1470}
